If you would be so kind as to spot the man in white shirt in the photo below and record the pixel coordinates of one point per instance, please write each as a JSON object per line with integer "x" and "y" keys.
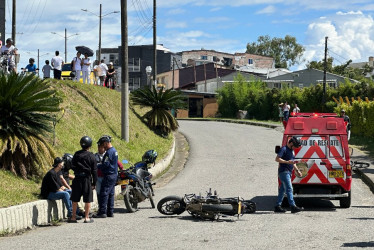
{"x": 77, "y": 66}
{"x": 10, "y": 51}
{"x": 104, "y": 69}
{"x": 57, "y": 63}
{"x": 286, "y": 111}
{"x": 296, "y": 109}
{"x": 86, "y": 69}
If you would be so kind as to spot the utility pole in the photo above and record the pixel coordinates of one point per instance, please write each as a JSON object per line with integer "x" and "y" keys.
{"x": 124, "y": 74}
{"x": 100, "y": 17}
{"x": 2, "y": 21}
{"x": 154, "y": 45}
{"x": 324, "y": 75}
{"x": 172, "y": 86}
{"x": 14, "y": 23}
{"x": 66, "y": 46}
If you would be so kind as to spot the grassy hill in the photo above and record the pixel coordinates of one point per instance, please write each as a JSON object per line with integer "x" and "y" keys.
{"x": 93, "y": 111}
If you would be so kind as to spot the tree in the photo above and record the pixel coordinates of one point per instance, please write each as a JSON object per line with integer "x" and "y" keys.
{"x": 286, "y": 52}
{"x": 26, "y": 107}
{"x": 161, "y": 103}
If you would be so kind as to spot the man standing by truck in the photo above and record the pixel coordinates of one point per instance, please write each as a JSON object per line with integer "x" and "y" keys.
{"x": 347, "y": 122}
{"x": 285, "y": 158}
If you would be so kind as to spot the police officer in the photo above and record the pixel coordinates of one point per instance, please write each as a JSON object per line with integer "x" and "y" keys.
{"x": 85, "y": 171}
{"x": 109, "y": 169}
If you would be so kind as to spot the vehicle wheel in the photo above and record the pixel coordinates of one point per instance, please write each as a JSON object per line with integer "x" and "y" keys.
{"x": 250, "y": 207}
{"x": 171, "y": 205}
{"x": 219, "y": 208}
{"x": 151, "y": 198}
{"x": 130, "y": 200}
{"x": 346, "y": 201}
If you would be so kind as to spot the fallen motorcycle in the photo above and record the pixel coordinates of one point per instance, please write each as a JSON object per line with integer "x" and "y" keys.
{"x": 206, "y": 207}
{"x": 136, "y": 183}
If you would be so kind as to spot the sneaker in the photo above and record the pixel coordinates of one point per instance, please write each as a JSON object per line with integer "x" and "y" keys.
{"x": 110, "y": 215}
{"x": 88, "y": 221}
{"x": 78, "y": 217}
{"x": 279, "y": 209}
{"x": 99, "y": 216}
{"x": 296, "y": 209}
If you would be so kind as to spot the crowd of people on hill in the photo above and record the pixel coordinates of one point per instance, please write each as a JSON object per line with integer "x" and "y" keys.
{"x": 103, "y": 74}
{"x": 91, "y": 171}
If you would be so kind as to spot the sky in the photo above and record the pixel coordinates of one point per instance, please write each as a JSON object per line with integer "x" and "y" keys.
{"x": 221, "y": 25}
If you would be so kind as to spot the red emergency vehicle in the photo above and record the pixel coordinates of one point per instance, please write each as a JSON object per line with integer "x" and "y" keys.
{"x": 323, "y": 157}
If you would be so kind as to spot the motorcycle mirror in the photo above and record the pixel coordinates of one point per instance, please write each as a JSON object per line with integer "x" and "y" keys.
{"x": 124, "y": 161}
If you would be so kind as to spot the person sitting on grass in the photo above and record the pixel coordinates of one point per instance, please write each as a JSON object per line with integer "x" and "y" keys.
{"x": 53, "y": 189}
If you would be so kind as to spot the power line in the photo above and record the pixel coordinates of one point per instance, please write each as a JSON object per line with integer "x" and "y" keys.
{"x": 40, "y": 16}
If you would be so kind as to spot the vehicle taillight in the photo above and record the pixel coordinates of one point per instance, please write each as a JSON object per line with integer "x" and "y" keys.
{"x": 349, "y": 171}
{"x": 122, "y": 175}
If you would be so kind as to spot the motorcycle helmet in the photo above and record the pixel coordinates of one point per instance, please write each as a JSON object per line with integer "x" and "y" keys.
{"x": 149, "y": 156}
{"x": 86, "y": 142}
{"x": 104, "y": 138}
{"x": 31, "y": 60}
{"x": 68, "y": 159}
{"x": 295, "y": 141}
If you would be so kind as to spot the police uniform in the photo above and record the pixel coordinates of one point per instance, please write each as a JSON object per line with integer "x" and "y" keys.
{"x": 85, "y": 171}
{"x": 109, "y": 168}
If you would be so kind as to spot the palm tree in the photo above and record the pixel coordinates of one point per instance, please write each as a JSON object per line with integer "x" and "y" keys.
{"x": 161, "y": 102}
{"x": 26, "y": 106}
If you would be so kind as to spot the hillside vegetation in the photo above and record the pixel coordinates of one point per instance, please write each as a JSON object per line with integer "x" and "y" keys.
{"x": 93, "y": 111}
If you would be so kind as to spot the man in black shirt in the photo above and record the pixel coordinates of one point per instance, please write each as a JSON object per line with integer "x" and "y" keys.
{"x": 52, "y": 188}
{"x": 85, "y": 171}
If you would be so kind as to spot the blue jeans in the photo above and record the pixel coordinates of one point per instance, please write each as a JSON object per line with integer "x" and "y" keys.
{"x": 65, "y": 196}
{"x": 98, "y": 188}
{"x": 285, "y": 187}
{"x": 286, "y": 115}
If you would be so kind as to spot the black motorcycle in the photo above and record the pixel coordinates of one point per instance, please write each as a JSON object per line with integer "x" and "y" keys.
{"x": 205, "y": 207}
{"x": 136, "y": 185}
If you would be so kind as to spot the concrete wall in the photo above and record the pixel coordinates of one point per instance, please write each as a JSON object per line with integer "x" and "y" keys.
{"x": 43, "y": 212}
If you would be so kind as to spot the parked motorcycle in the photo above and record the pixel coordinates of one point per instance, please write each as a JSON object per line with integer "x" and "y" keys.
{"x": 136, "y": 185}
{"x": 206, "y": 207}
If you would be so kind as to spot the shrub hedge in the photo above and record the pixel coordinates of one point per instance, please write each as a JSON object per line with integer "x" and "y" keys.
{"x": 261, "y": 103}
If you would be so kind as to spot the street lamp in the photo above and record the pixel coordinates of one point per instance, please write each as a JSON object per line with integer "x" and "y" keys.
{"x": 100, "y": 16}
{"x": 148, "y": 70}
{"x": 66, "y": 38}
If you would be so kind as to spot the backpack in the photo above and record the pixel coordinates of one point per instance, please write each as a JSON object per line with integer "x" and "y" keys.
{"x": 72, "y": 61}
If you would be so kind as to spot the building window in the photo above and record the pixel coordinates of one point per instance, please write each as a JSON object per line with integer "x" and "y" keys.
{"x": 204, "y": 57}
{"x": 332, "y": 84}
{"x": 112, "y": 57}
{"x": 250, "y": 61}
{"x": 301, "y": 85}
{"x": 134, "y": 83}
{"x": 134, "y": 64}
{"x": 277, "y": 85}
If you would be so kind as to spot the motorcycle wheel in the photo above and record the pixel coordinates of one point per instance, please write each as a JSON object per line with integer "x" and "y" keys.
{"x": 218, "y": 208}
{"x": 250, "y": 207}
{"x": 130, "y": 200}
{"x": 171, "y": 205}
{"x": 151, "y": 198}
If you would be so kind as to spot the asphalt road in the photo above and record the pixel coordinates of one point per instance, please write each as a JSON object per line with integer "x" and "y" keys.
{"x": 234, "y": 159}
